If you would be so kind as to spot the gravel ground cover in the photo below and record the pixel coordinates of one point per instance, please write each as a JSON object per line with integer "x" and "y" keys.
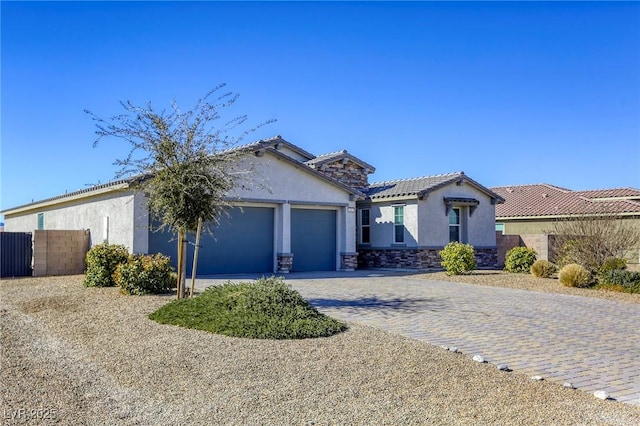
{"x": 73, "y": 355}
{"x": 527, "y": 282}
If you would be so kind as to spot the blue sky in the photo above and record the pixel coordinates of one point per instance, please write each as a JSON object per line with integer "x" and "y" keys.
{"x": 510, "y": 93}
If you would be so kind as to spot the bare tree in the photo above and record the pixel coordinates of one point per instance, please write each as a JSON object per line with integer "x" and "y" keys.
{"x": 591, "y": 240}
{"x": 183, "y": 161}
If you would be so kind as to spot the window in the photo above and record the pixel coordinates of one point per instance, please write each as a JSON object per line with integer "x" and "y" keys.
{"x": 365, "y": 226}
{"x": 398, "y": 224}
{"x": 500, "y": 227}
{"x": 454, "y": 224}
{"x": 40, "y": 221}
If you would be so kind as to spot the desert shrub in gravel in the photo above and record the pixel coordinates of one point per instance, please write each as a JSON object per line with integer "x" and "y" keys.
{"x": 613, "y": 264}
{"x": 620, "y": 280}
{"x": 519, "y": 259}
{"x": 145, "y": 274}
{"x": 102, "y": 261}
{"x": 458, "y": 258}
{"x": 543, "y": 269}
{"x": 574, "y": 275}
{"x": 265, "y": 309}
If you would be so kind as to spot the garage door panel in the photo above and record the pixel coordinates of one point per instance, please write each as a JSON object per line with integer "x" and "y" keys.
{"x": 313, "y": 240}
{"x": 242, "y": 243}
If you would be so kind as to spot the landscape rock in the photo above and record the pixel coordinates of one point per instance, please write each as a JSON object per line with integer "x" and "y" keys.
{"x": 478, "y": 358}
{"x": 502, "y": 367}
{"x": 601, "y": 395}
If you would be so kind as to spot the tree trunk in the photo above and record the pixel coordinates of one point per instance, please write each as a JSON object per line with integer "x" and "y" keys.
{"x": 180, "y": 256}
{"x": 183, "y": 276}
{"x": 195, "y": 257}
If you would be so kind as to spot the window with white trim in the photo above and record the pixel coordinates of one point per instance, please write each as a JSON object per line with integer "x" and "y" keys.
{"x": 454, "y": 224}
{"x": 40, "y": 221}
{"x": 398, "y": 224}
{"x": 365, "y": 226}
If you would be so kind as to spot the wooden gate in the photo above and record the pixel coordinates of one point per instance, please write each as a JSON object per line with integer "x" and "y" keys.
{"x": 15, "y": 254}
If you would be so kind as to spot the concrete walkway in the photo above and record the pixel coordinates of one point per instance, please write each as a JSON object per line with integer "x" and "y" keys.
{"x": 592, "y": 343}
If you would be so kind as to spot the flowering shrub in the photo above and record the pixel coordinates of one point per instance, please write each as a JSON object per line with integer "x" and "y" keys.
{"x": 102, "y": 261}
{"x": 145, "y": 274}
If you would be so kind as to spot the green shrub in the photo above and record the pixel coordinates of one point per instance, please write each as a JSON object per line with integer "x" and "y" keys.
{"x": 543, "y": 269}
{"x": 265, "y": 309}
{"x": 145, "y": 274}
{"x": 613, "y": 264}
{"x": 458, "y": 258}
{"x": 620, "y": 280}
{"x": 574, "y": 275}
{"x": 102, "y": 261}
{"x": 519, "y": 259}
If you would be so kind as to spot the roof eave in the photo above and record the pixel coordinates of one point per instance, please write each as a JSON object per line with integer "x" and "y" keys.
{"x": 78, "y": 195}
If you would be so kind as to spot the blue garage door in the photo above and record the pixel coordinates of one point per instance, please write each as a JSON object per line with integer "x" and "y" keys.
{"x": 243, "y": 243}
{"x": 313, "y": 240}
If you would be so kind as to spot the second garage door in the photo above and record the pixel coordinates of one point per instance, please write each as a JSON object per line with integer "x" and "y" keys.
{"x": 313, "y": 240}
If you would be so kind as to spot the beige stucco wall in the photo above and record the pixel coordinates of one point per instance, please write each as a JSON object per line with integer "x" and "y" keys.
{"x": 479, "y": 228}
{"x": 271, "y": 178}
{"x": 382, "y": 223}
{"x": 86, "y": 213}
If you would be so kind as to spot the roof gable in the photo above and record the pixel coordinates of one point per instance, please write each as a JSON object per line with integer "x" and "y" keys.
{"x": 343, "y": 155}
{"x": 422, "y": 186}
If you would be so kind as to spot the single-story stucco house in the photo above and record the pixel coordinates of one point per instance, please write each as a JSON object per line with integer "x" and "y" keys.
{"x": 294, "y": 212}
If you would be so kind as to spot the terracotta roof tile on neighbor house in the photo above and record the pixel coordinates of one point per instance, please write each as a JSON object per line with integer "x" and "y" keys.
{"x": 547, "y": 200}
{"x": 420, "y": 186}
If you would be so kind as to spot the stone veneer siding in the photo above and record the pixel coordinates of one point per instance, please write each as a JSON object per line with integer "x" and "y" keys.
{"x": 417, "y": 258}
{"x": 349, "y": 173}
{"x": 348, "y": 261}
{"x": 285, "y": 262}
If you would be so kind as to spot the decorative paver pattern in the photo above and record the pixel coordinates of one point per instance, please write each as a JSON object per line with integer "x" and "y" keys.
{"x": 592, "y": 343}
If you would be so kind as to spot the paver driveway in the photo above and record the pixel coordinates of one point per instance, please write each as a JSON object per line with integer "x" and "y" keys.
{"x": 592, "y": 343}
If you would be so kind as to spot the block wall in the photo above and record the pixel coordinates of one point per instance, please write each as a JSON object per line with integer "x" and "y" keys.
{"x": 60, "y": 252}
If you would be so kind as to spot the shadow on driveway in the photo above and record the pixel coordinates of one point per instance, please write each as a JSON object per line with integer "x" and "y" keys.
{"x": 375, "y": 303}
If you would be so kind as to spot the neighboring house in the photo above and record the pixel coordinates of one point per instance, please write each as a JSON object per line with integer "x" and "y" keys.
{"x": 531, "y": 210}
{"x": 293, "y": 212}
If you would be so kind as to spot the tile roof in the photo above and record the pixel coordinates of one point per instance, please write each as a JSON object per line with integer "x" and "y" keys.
{"x": 271, "y": 142}
{"x": 332, "y": 156}
{"x": 420, "y": 186}
{"x": 540, "y": 200}
{"x": 630, "y": 193}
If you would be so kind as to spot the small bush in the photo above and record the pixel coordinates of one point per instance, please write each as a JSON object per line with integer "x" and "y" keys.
{"x": 519, "y": 259}
{"x": 613, "y": 264}
{"x": 458, "y": 258}
{"x": 102, "y": 261}
{"x": 265, "y": 309}
{"x": 574, "y": 275}
{"x": 543, "y": 269}
{"x": 145, "y": 274}
{"x": 620, "y": 280}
